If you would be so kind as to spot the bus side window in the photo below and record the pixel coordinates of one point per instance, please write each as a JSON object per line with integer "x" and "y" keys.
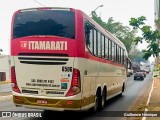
{"x": 106, "y": 48}
{"x": 103, "y": 46}
{"x": 89, "y": 36}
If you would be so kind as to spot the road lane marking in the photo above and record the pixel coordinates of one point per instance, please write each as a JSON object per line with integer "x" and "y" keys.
{"x": 149, "y": 97}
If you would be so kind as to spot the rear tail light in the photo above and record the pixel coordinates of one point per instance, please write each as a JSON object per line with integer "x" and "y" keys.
{"x": 75, "y": 84}
{"x": 13, "y": 80}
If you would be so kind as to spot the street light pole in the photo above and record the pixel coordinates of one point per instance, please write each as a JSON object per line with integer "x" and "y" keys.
{"x": 157, "y": 22}
{"x": 95, "y": 9}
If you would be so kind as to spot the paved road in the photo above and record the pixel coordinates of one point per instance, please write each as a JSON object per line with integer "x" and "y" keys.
{"x": 5, "y": 88}
{"x": 134, "y": 90}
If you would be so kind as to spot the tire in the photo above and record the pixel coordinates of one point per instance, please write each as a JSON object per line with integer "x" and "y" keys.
{"x": 123, "y": 87}
{"x": 103, "y": 103}
{"x": 98, "y": 102}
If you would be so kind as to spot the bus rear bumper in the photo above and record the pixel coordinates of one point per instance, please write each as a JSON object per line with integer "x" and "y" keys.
{"x": 46, "y": 103}
{"x": 47, "y": 108}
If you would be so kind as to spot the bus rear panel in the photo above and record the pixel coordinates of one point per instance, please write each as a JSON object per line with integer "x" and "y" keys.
{"x": 43, "y": 50}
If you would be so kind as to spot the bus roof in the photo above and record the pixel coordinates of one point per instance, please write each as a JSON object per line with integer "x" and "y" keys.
{"x": 45, "y": 8}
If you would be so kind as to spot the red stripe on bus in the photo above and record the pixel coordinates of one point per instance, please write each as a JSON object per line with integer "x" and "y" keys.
{"x": 102, "y": 60}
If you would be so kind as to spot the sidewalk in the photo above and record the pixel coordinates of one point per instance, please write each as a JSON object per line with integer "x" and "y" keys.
{"x": 154, "y": 101}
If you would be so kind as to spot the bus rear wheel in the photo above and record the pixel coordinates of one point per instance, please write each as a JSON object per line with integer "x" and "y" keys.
{"x": 103, "y": 98}
{"x": 98, "y": 102}
{"x": 123, "y": 88}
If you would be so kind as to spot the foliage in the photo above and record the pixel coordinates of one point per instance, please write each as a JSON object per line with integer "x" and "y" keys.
{"x": 137, "y": 57}
{"x": 123, "y": 33}
{"x": 150, "y": 36}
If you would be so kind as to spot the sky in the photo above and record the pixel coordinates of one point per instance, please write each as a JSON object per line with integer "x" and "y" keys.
{"x": 120, "y": 10}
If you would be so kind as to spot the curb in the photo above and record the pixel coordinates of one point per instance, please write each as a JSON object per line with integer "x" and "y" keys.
{"x": 149, "y": 97}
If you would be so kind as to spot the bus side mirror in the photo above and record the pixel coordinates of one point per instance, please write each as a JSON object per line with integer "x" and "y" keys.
{"x": 129, "y": 64}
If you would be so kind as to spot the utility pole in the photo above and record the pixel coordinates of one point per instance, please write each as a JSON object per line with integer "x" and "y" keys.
{"x": 157, "y": 22}
{"x": 157, "y": 26}
{"x": 158, "y": 55}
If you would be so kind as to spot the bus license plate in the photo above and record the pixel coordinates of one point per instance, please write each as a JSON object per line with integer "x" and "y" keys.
{"x": 42, "y": 102}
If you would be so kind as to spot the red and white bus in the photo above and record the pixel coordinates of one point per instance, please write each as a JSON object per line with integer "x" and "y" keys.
{"x": 63, "y": 60}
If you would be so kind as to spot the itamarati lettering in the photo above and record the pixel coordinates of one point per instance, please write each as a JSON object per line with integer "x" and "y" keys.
{"x": 47, "y": 45}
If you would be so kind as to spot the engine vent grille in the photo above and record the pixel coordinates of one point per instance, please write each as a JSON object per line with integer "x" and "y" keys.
{"x": 43, "y": 58}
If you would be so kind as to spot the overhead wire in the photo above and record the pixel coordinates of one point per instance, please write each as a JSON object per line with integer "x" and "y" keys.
{"x": 39, "y": 3}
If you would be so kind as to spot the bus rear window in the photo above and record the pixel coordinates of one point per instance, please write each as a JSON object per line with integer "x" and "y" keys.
{"x": 44, "y": 22}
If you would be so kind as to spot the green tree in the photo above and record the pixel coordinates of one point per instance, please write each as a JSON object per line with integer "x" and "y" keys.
{"x": 150, "y": 36}
{"x": 137, "y": 56}
{"x": 123, "y": 33}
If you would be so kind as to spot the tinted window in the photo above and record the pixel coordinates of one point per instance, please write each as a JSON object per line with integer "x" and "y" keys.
{"x": 95, "y": 42}
{"x": 44, "y": 22}
{"x": 106, "y": 48}
{"x": 139, "y": 73}
{"x": 110, "y": 49}
{"x": 99, "y": 45}
{"x": 103, "y": 46}
{"x": 89, "y": 36}
{"x": 113, "y": 53}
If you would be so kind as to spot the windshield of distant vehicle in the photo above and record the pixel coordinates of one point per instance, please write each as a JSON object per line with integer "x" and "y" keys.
{"x": 139, "y": 73}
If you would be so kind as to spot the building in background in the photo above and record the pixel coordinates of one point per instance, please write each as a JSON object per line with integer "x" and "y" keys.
{"x": 5, "y": 67}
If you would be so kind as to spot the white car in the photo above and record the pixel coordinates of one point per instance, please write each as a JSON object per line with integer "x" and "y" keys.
{"x": 130, "y": 72}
